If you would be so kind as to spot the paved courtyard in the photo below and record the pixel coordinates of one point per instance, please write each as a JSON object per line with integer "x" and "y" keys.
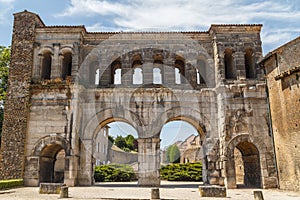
{"x": 168, "y": 190}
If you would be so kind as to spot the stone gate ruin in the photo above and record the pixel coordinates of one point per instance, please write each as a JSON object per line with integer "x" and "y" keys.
{"x": 66, "y": 83}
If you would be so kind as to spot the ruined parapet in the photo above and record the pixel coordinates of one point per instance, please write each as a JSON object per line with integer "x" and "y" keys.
{"x": 17, "y": 99}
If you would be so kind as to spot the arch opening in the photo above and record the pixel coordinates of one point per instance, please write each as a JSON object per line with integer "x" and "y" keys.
{"x": 116, "y": 145}
{"x": 46, "y": 66}
{"x": 181, "y": 143}
{"x": 230, "y": 72}
{"x": 52, "y": 164}
{"x": 157, "y": 77}
{"x": 247, "y": 165}
{"x": 250, "y": 64}
{"x": 137, "y": 77}
{"x": 66, "y": 65}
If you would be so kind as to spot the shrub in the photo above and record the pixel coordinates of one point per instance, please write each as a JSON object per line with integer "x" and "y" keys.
{"x": 182, "y": 172}
{"x": 114, "y": 173}
{"x": 5, "y": 184}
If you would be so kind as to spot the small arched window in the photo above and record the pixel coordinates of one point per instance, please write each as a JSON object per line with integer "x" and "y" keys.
{"x": 46, "y": 66}
{"x": 250, "y": 64}
{"x": 201, "y": 78}
{"x": 198, "y": 77}
{"x": 97, "y": 76}
{"x": 157, "y": 78}
{"x": 94, "y": 73}
{"x": 117, "y": 76}
{"x": 177, "y": 76}
{"x": 230, "y": 72}
{"x": 137, "y": 77}
{"x": 179, "y": 70}
{"x": 66, "y": 65}
{"x": 116, "y": 72}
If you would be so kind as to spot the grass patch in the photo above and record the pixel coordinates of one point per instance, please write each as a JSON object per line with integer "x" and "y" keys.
{"x": 6, "y": 184}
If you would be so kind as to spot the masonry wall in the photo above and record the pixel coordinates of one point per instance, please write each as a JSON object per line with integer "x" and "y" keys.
{"x": 282, "y": 68}
{"x": 17, "y": 99}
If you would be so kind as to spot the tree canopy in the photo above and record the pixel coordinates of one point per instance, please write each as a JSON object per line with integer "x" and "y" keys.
{"x": 4, "y": 65}
{"x": 128, "y": 143}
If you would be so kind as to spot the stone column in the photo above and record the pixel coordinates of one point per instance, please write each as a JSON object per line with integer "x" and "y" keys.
{"x": 169, "y": 72}
{"x": 55, "y": 68}
{"x": 86, "y": 175}
{"x": 75, "y": 60}
{"x": 37, "y": 62}
{"x": 71, "y": 166}
{"x": 126, "y": 72}
{"x": 149, "y": 162}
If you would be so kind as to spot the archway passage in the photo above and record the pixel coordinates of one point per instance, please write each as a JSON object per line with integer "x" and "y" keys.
{"x": 115, "y": 151}
{"x": 52, "y": 164}
{"x": 181, "y": 152}
{"x": 248, "y": 166}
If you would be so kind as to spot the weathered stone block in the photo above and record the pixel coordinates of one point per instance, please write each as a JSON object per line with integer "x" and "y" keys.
{"x": 50, "y": 188}
{"x": 64, "y": 192}
{"x": 212, "y": 191}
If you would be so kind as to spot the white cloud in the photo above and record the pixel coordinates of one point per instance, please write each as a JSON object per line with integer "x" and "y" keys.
{"x": 138, "y": 15}
{"x": 100, "y": 27}
{"x": 5, "y": 7}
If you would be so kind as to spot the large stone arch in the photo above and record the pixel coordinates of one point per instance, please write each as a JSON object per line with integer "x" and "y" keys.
{"x": 190, "y": 115}
{"x": 103, "y": 117}
{"x": 40, "y": 164}
{"x": 253, "y": 152}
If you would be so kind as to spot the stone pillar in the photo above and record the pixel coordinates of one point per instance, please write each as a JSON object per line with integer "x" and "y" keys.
{"x": 71, "y": 166}
{"x": 240, "y": 65}
{"x": 55, "y": 68}
{"x": 37, "y": 63}
{"x": 126, "y": 72}
{"x": 149, "y": 162}
{"x": 85, "y": 175}
{"x": 75, "y": 60}
{"x": 31, "y": 175}
{"x": 169, "y": 72}
{"x": 17, "y": 104}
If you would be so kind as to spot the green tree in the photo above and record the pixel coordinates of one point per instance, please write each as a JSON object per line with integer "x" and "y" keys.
{"x": 128, "y": 143}
{"x": 120, "y": 142}
{"x": 4, "y": 65}
{"x": 173, "y": 154}
{"x": 129, "y": 139}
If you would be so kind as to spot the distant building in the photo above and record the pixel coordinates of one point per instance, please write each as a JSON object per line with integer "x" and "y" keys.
{"x": 190, "y": 149}
{"x": 101, "y": 146}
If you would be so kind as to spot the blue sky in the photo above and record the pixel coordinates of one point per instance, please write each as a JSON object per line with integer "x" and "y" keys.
{"x": 280, "y": 18}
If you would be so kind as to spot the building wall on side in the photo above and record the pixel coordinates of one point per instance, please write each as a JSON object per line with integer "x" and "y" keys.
{"x": 282, "y": 70}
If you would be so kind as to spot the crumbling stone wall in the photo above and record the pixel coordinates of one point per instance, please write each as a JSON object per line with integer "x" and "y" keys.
{"x": 18, "y": 95}
{"x": 283, "y": 71}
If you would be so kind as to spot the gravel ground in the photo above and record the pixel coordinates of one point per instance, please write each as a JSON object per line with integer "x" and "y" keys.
{"x": 128, "y": 191}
